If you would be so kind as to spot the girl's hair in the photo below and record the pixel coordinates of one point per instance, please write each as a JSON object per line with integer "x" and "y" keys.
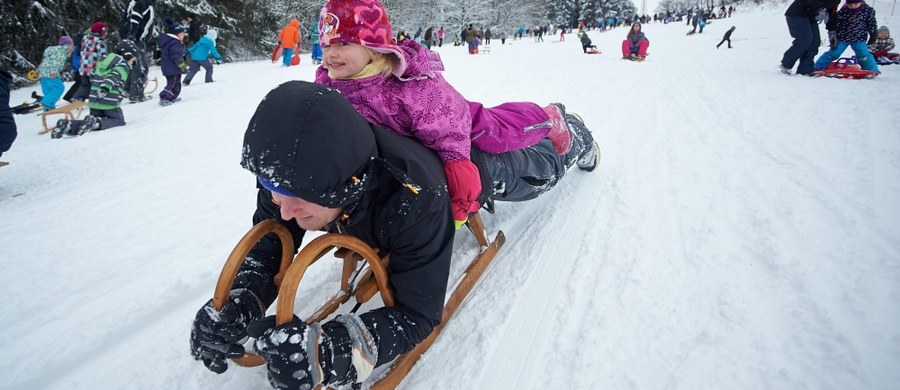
{"x": 631, "y": 30}
{"x": 385, "y": 62}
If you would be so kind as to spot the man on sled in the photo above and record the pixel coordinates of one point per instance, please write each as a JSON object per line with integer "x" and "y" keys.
{"x": 320, "y": 166}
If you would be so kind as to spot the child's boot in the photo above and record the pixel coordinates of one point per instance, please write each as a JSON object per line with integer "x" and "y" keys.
{"x": 559, "y": 134}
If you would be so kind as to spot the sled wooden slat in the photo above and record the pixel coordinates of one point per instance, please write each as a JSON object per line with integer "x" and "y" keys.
{"x": 233, "y": 264}
{"x": 70, "y": 111}
{"x": 155, "y": 86}
{"x": 405, "y": 362}
{"x": 284, "y": 309}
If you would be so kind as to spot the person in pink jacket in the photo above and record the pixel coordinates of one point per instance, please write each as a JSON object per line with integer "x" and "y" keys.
{"x": 398, "y": 85}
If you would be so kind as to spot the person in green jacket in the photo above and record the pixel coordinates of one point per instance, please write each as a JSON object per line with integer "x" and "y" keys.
{"x": 107, "y": 91}
{"x": 53, "y": 63}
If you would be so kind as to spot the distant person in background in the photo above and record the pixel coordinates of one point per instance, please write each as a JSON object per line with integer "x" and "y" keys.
{"x": 200, "y": 53}
{"x": 487, "y": 36}
{"x": 107, "y": 91}
{"x": 429, "y": 36}
{"x": 8, "y": 131}
{"x": 50, "y": 70}
{"x": 635, "y": 44}
{"x": 586, "y": 43}
{"x": 802, "y": 18}
{"x": 882, "y": 47}
{"x": 290, "y": 41}
{"x": 503, "y": 37}
{"x": 727, "y": 37}
{"x": 194, "y": 33}
{"x": 76, "y": 66}
{"x": 93, "y": 48}
{"x": 171, "y": 61}
{"x": 316, "y": 47}
{"x": 137, "y": 27}
{"x": 441, "y": 33}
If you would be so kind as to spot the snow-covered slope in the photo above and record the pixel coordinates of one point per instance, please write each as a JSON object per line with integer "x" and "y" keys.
{"x": 741, "y": 233}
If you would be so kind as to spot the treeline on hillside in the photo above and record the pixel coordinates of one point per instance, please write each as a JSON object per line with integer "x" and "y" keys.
{"x": 248, "y": 29}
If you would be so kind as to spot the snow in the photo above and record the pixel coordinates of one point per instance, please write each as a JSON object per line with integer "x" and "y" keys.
{"x": 742, "y": 231}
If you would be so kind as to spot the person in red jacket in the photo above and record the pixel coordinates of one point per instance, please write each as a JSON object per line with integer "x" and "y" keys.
{"x": 290, "y": 40}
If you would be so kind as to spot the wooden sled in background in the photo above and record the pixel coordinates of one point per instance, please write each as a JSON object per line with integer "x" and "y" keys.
{"x": 358, "y": 259}
{"x": 71, "y": 111}
{"x": 155, "y": 86}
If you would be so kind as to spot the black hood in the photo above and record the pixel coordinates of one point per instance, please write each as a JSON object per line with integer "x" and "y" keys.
{"x": 307, "y": 140}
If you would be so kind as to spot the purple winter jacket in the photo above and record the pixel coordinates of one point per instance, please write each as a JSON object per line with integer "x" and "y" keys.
{"x": 424, "y": 106}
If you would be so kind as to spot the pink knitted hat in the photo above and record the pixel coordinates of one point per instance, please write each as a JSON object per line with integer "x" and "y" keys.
{"x": 363, "y": 22}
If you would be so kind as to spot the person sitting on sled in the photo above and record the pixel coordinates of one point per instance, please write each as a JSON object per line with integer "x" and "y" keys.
{"x": 319, "y": 165}
{"x": 855, "y": 23}
{"x": 586, "y": 43}
{"x": 399, "y": 86}
{"x": 881, "y": 48}
{"x": 635, "y": 44}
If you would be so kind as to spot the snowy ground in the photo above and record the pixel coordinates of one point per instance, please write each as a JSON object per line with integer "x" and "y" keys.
{"x": 741, "y": 233}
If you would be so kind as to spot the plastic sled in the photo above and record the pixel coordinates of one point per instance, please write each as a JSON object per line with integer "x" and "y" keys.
{"x": 276, "y": 53}
{"x": 593, "y": 51}
{"x": 846, "y": 68}
{"x": 295, "y": 59}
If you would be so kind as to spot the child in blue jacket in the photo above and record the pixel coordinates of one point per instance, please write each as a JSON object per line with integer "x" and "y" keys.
{"x": 200, "y": 53}
{"x": 855, "y": 24}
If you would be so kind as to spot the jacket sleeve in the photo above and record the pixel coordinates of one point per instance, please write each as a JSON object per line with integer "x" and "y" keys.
{"x": 258, "y": 271}
{"x": 420, "y": 244}
{"x": 215, "y": 53}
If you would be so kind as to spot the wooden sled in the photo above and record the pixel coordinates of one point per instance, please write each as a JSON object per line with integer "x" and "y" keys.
{"x": 71, "y": 111}
{"x": 484, "y": 49}
{"x": 155, "y": 86}
{"x": 375, "y": 279}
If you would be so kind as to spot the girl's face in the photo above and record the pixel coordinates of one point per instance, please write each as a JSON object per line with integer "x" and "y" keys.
{"x": 884, "y": 35}
{"x": 345, "y": 59}
{"x": 636, "y": 27}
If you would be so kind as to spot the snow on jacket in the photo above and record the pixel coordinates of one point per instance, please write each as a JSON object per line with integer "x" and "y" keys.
{"x": 108, "y": 83}
{"x": 414, "y": 228}
{"x": 290, "y": 35}
{"x": 425, "y": 106}
{"x": 54, "y": 61}
{"x": 886, "y": 44}
{"x": 856, "y": 25}
{"x": 201, "y": 50}
{"x": 93, "y": 48}
{"x": 171, "y": 49}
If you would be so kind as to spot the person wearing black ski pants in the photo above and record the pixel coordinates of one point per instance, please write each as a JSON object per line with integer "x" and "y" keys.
{"x": 801, "y": 20}
{"x": 7, "y": 123}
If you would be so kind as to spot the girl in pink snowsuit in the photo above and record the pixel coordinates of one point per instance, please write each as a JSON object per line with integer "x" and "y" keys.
{"x": 398, "y": 86}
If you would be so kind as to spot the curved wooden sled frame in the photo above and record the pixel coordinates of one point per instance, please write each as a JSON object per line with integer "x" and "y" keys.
{"x": 351, "y": 250}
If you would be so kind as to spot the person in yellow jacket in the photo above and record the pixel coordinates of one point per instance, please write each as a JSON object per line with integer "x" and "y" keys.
{"x": 290, "y": 40}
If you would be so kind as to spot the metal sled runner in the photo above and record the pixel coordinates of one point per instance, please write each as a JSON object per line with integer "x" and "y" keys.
{"x": 375, "y": 279}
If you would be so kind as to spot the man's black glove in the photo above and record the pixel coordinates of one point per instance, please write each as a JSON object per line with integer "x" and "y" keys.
{"x": 218, "y": 335}
{"x": 291, "y": 352}
{"x": 832, "y": 39}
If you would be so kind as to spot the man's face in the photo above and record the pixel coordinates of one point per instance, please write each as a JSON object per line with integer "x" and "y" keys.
{"x": 854, "y": 5}
{"x": 308, "y": 215}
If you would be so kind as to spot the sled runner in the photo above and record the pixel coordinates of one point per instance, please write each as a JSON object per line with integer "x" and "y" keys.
{"x": 375, "y": 279}
{"x": 846, "y": 68}
{"x": 70, "y": 111}
{"x": 155, "y": 86}
{"x": 28, "y": 107}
